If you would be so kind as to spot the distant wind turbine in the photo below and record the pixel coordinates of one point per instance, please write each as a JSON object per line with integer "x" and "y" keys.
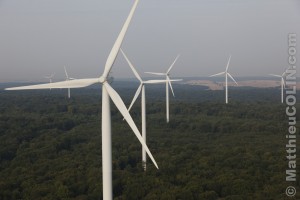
{"x": 226, "y": 79}
{"x": 140, "y": 89}
{"x": 67, "y": 79}
{"x": 107, "y": 93}
{"x": 167, "y": 74}
{"x": 282, "y": 82}
{"x": 50, "y": 78}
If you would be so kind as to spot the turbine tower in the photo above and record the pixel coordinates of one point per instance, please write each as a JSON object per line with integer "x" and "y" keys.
{"x": 282, "y": 82}
{"x": 140, "y": 89}
{"x": 107, "y": 92}
{"x": 168, "y": 83}
{"x": 226, "y": 79}
{"x": 67, "y": 79}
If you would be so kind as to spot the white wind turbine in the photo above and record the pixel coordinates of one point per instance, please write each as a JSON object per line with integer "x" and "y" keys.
{"x": 282, "y": 82}
{"x": 50, "y": 78}
{"x": 167, "y": 87}
{"x": 140, "y": 89}
{"x": 107, "y": 92}
{"x": 67, "y": 79}
{"x": 226, "y": 79}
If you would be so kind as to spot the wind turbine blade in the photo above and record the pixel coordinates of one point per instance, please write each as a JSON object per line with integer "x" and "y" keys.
{"x": 160, "y": 81}
{"x": 175, "y": 80}
{"x": 114, "y": 51}
{"x": 228, "y": 63}
{"x": 217, "y": 74}
{"x": 173, "y": 64}
{"x": 155, "y": 81}
{"x": 78, "y": 83}
{"x": 131, "y": 66}
{"x": 170, "y": 85}
{"x": 232, "y": 78}
{"x": 160, "y": 74}
{"x": 66, "y": 73}
{"x": 138, "y": 91}
{"x": 275, "y": 75}
{"x": 122, "y": 108}
{"x": 284, "y": 73}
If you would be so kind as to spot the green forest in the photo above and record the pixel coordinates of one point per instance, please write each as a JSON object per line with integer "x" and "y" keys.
{"x": 50, "y": 146}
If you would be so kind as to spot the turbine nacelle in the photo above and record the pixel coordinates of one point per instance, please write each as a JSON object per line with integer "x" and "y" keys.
{"x": 102, "y": 79}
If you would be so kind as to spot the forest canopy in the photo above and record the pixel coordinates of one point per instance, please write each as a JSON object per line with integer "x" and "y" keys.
{"x": 50, "y": 146}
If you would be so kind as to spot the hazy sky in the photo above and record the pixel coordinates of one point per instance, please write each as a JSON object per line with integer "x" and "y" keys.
{"x": 39, "y": 37}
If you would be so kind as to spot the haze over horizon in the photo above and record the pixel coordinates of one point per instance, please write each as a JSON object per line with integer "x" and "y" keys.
{"x": 40, "y": 37}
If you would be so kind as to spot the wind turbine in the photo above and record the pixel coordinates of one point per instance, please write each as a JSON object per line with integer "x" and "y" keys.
{"x": 167, "y": 74}
{"x": 67, "y": 79}
{"x": 226, "y": 79}
{"x": 107, "y": 92}
{"x": 140, "y": 89}
{"x": 282, "y": 82}
{"x": 50, "y": 78}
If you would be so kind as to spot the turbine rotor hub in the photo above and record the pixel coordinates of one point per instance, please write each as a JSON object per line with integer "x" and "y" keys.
{"x": 102, "y": 79}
